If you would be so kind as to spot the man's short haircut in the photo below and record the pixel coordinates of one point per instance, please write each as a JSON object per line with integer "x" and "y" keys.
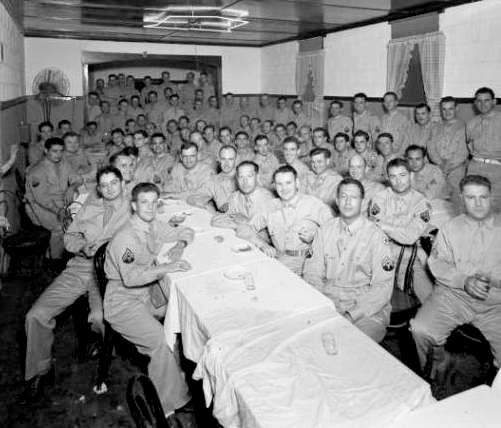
{"x": 322, "y": 130}
{"x": 225, "y": 128}
{"x": 144, "y": 188}
{"x": 142, "y": 132}
{"x": 361, "y": 133}
{"x": 392, "y": 94}
{"x": 396, "y": 163}
{"x": 244, "y": 115}
{"x": 256, "y": 118}
{"x": 281, "y": 97}
{"x": 291, "y": 123}
{"x": 108, "y": 169}
{"x": 174, "y": 96}
{"x": 415, "y": 148}
{"x": 260, "y": 137}
{"x": 279, "y": 125}
{"x": 291, "y": 139}
{"x": 342, "y": 135}
{"x": 478, "y": 180}
{"x": 241, "y": 133}
{"x": 147, "y": 77}
{"x": 136, "y": 97}
{"x": 63, "y": 122}
{"x": 172, "y": 121}
{"x": 123, "y": 100}
{"x": 118, "y": 131}
{"x": 210, "y": 126}
{"x": 53, "y": 141}
{"x": 485, "y": 90}
{"x": 188, "y": 146}
{"x": 268, "y": 121}
{"x": 152, "y": 92}
{"x": 320, "y": 151}
{"x": 448, "y": 99}
{"x": 185, "y": 118}
{"x": 385, "y": 135}
{"x": 70, "y": 134}
{"x": 297, "y": 102}
{"x": 423, "y": 105}
{"x": 360, "y": 95}
{"x": 349, "y": 180}
{"x": 114, "y": 157}
{"x": 91, "y": 123}
{"x": 131, "y": 151}
{"x": 227, "y": 147}
{"x": 130, "y": 120}
{"x": 284, "y": 169}
{"x": 93, "y": 93}
{"x": 338, "y": 102}
{"x": 158, "y": 135}
{"x": 44, "y": 124}
{"x": 254, "y": 165}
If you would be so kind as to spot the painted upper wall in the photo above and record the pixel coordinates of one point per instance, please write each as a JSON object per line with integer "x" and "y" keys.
{"x": 278, "y": 68}
{"x": 241, "y": 67}
{"x": 473, "y": 47}
{"x": 12, "y": 66}
{"x": 355, "y": 61}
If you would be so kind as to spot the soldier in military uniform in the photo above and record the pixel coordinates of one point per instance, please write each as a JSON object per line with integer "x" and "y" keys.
{"x": 324, "y": 180}
{"x": 94, "y": 224}
{"x": 135, "y": 296}
{"x": 352, "y": 264}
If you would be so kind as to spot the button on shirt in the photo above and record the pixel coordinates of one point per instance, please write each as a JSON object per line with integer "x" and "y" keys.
{"x": 189, "y": 180}
{"x": 484, "y": 135}
{"x": 249, "y": 205}
{"x": 352, "y": 262}
{"x": 464, "y": 247}
{"x": 324, "y": 186}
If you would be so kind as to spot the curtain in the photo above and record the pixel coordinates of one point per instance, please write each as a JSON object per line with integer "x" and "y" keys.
{"x": 432, "y": 52}
{"x": 310, "y": 84}
{"x": 398, "y": 59}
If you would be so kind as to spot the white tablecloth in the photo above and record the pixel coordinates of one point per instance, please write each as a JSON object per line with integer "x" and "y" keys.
{"x": 196, "y": 218}
{"x": 475, "y": 408}
{"x": 281, "y": 377}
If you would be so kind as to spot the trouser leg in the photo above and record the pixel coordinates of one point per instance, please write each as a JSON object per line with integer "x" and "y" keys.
{"x": 95, "y": 305}
{"x": 488, "y": 321}
{"x": 453, "y": 178}
{"x": 40, "y": 321}
{"x": 443, "y": 311}
{"x": 133, "y": 319}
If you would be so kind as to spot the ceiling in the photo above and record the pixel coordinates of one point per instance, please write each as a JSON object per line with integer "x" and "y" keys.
{"x": 269, "y": 21}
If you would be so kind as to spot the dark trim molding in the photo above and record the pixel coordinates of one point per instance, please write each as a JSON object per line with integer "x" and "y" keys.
{"x": 4, "y": 105}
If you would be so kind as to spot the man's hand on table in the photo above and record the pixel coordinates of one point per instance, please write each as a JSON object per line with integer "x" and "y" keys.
{"x": 268, "y": 250}
{"x": 176, "y": 266}
{"x": 475, "y": 288}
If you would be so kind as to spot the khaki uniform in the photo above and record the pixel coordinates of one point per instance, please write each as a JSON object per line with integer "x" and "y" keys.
{"x": 187, "y": 94}
{"x": 35, "y": 152}
{"x": 340, "y": 123}
{"x": 341, "y": 160}
{"x": 154, "y": 113}
{"x": 353, "y": 265}
{"x": 367, "y": 122}
{"x": 267, "y": 166}
{"x": 213, "y": 117}
{"x": 249, "y": 205}
{"x": 404, "y": 218}
{"x": 265, "y": 113}
{"x": 430, "y": 181}
{"x": 155, "y": 169}
{"x": 230, "y": 115}
{"x": 372, "y": 163}
{"x": 484, "y": 139}
{"x": 284, "y": 221}
{"x": 324, "y": 186}
{"x": 105, "y": 122}
{"x": 379, "y": 172}
{"x": 463, "y": 247}
{"x": 421, "y": 135}
{"x": 283, "y": 116}
{"x": 188, "y": 181}
{"x": 303, "y": 174}
{"x": 95, "y": 223}
{"x": 448, "y": 150}
{"x": 300, "y": 119}
{"x": 172, "y": 113}
{"x": 398, "y": 126}
{"x": 219, "y": 190}
{"x": 246, "y": 154}
{"x": 46, "y": 186}
{"x": 78, "y": 161}
{"x": 371, "y": 188}
{"x": 130, "y": 310}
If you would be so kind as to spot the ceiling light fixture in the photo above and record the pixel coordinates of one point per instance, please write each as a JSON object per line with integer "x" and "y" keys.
{"x": 196, "y": 18}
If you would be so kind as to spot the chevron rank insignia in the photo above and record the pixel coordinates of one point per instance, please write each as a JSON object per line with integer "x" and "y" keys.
{"x": 425, "y": 216}
{"x": 128, "y": 256}
{"x": 387, "y": 264}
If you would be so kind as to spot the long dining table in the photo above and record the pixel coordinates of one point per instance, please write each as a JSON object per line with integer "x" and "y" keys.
{"x": 257, "y": 333}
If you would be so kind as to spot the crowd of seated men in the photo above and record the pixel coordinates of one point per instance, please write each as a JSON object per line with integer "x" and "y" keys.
{"x": 344, "y": 206}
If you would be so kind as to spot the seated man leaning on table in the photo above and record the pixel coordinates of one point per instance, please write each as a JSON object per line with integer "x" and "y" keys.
{"x": 352, "y": 264}
{"x": 249, "y": 200}
{"x": 291, "y": 221}
{"x": 220, "y": 187}
{"x": 466, "y": 263}
{"x": 189, "y": 176}
{"x": 136, "y": 293}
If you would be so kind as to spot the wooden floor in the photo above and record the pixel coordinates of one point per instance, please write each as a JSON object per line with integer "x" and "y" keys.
{"x": 71, "y": 403}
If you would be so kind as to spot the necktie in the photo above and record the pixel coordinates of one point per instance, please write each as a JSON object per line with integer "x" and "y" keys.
{"x": 151, "y": 242}
{"x": 108, "y": 213}
{"x": 248, "y": 205}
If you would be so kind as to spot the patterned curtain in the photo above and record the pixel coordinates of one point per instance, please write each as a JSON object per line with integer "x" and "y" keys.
{"x": 398, "y": 59}
{"x": 310, "y": 84}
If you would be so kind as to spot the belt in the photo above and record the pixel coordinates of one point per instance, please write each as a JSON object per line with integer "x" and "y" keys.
{"x": 297, "y": 253}
{"x": 486, "y": 160}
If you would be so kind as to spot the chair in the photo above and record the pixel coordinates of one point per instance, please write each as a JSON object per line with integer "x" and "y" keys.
{"x": 144, "y": 404}
{"x": 111, "y": 338}
{"x": 32, "y": 241}
{"x": 404, "y": 305}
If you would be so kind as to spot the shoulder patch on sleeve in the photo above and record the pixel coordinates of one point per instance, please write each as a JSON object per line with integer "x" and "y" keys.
{"x": 387, "y": 264}
{"x": 425, "y": 216}
{"x": 375, "y": 210}
{"x": 128, "y": 256}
